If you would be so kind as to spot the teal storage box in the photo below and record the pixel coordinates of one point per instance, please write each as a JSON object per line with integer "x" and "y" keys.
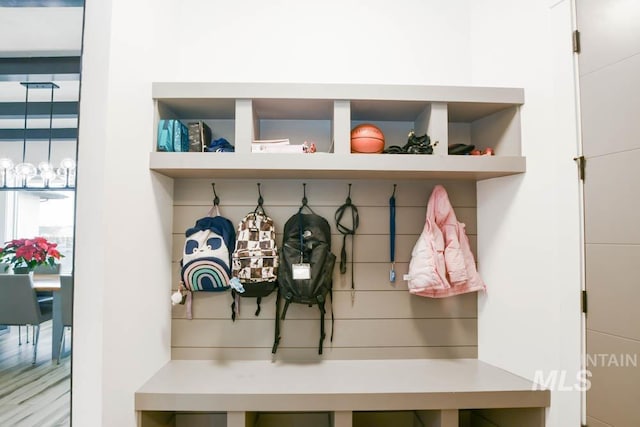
{"x": 172, "y": 136}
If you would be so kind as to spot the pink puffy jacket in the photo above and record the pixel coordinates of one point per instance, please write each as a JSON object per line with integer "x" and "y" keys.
{"x": 442, "y": 264}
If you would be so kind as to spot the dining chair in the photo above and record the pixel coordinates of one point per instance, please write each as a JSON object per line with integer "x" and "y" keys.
{"x": 45, "y": 298}
{"x": 19, "y": 305}
{"x": 66, "y": 308}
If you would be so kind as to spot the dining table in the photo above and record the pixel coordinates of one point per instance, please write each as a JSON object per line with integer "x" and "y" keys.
{"x": 51, "y": 282}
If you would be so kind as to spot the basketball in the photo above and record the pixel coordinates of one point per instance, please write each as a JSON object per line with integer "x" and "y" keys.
{"x": 367, "y": 138}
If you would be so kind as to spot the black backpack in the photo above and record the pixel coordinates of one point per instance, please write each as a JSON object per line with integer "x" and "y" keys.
{"x": 306, "y": 266}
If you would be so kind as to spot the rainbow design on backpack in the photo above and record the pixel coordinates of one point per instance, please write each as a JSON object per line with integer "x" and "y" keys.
{"x": 205, "y": 274}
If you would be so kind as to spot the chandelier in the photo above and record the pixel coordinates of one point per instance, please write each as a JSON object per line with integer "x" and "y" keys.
{"x": 24, "y": 175}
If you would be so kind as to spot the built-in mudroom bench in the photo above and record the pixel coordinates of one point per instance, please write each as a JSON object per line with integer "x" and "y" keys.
{"x": 396, "y": 359}
{"x": 394, "y": 393}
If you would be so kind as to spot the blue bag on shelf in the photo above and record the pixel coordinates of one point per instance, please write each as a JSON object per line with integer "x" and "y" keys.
{"x": 173, "y": 136}
{"x": 220, "y": 145}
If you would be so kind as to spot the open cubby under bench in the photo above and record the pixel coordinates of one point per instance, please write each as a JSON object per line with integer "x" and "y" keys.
{"x": 432, "y": 392}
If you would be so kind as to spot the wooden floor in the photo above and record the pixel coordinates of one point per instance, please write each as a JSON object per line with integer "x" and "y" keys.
{"x": 33, "y": 395}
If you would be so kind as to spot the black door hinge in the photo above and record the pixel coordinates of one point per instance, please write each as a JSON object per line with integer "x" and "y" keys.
{"x": 584, "y": 302}
{"x": 576, "y": 41}
{"x": 582, "y": 163}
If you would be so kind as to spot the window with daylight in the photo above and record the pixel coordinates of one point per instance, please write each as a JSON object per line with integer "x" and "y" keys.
{"x": 48, "y": 214}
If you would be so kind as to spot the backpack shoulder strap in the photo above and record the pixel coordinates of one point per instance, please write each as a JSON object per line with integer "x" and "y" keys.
{"x": 320, "y": 300}
{"x": 276, "y": 338}
{"x": 188, "y": 303}
{"x": 234, "y": 306}
{"x": 258, "y": 309}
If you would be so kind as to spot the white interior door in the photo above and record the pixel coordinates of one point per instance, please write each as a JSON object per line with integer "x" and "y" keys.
{"x": 609, "y": 64}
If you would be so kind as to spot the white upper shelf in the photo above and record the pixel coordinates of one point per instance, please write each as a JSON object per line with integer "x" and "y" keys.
{"x": 332, "y": 166}
{"x": 193, "y": 90}
{"x": 241, "y": 112}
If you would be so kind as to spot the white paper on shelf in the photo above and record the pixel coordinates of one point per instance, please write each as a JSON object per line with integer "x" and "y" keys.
{"x": 265, "y": 145}
{"x": 278, "y": 148}
{"x": 283, "y": 141}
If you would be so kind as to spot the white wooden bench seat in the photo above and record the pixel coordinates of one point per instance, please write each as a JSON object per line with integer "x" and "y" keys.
{"x": 243, "y": 388}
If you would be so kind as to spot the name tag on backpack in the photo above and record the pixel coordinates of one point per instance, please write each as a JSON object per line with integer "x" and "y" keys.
{"x": 301, "y": 271}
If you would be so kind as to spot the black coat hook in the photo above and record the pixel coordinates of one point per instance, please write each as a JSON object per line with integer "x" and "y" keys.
{"x": 304, "y": 194}
{"x": 394, "y": 190}
{"x": 260, "y": 199}
{"x": 216, "y": 199}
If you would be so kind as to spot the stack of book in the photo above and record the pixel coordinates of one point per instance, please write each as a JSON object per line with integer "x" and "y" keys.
{"x": 199, "y": 136}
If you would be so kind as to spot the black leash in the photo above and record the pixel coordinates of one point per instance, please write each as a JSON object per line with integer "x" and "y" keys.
{"x": 345, "y": 231}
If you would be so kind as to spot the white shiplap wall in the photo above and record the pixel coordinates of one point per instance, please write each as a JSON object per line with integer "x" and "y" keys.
{"x": 385, "y": 321}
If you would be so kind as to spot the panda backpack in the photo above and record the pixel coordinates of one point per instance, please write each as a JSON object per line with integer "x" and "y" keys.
{"x": 206, "y": 260}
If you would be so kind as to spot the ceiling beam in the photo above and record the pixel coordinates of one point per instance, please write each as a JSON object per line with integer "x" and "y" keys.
{"x": 41, "y": 3}
{"x": 38, "y": 134}
{"x": 40, "y": 68}
{"x": 61, "y": 110}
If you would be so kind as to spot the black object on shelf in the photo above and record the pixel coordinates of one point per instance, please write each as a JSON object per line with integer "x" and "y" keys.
{"x": 415, "y": 145}
{"x": 461, "y": 149}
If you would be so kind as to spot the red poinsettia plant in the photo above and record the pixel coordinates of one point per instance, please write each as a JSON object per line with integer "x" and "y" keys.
{"x": 29, "y": 253}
